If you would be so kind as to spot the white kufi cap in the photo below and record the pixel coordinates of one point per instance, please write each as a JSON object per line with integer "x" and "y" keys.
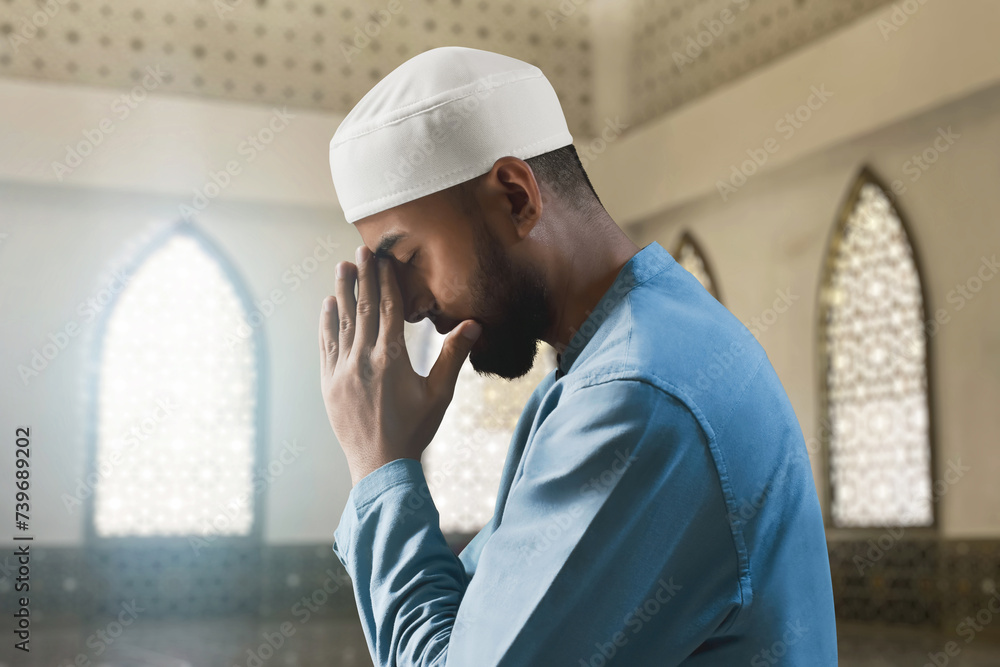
{"x": 439, "y": 119}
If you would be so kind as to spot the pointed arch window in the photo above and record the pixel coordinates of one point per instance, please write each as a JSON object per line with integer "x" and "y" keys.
{"x": 688, "y": 254}
{"x": 177, "y": 411}
{"x": 464, "y": 461}
{"x": 874, "y": 370}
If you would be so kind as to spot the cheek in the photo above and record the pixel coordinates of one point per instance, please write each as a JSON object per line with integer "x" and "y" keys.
{"x": 453, "y": 292}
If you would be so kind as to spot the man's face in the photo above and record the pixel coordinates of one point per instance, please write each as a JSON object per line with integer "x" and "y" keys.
{"x": 451, "y": 266}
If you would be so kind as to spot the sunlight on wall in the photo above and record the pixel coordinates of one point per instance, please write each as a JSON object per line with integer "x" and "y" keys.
{"x": 176, "y": 402}
{"x": 465, "y": 459}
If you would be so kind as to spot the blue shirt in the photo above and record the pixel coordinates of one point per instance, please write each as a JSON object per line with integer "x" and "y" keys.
{"x": 657, "y": 507}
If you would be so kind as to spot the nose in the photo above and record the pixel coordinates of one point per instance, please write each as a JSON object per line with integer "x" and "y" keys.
{"x": 417, "y": 310}
{"x": 417, "y": 314}
{"x": 418, "y": 302}
{"x": 421, "y": 309}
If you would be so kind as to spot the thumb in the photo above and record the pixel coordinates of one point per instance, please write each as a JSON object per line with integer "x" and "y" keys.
{"x": 454, "y": 351}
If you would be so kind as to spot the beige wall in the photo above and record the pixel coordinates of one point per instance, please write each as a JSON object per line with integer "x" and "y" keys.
{"x": 869, "y": 78}
{"x": 61, "y": 244}
{"x": 894, "y": 80}
{"x": 60, "y": 237}
{"x": 772, "y": 235}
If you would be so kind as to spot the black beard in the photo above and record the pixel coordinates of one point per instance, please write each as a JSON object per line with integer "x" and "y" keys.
{"x": 514, "y": 310}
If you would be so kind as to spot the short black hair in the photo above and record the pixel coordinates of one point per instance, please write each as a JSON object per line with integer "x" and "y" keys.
{"x": 562, "y": 171}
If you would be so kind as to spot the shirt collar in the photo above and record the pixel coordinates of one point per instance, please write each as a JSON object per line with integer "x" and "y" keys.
{"x": 646, "y": 263}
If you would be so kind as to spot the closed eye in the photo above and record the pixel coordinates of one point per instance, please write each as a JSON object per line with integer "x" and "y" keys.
{"x": 409, "y": 262}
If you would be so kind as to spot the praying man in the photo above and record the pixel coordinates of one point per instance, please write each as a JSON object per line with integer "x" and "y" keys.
{"x": 656, "y": 506}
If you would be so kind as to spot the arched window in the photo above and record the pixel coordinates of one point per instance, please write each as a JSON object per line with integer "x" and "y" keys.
{"x": 688, "y": 254}
{"x": 874, "y": 371}
{"x": 177, "y": 410}
{"x": 465, "y": 459}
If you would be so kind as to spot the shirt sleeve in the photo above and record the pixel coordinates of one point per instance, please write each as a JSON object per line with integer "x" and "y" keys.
{"x": 614, "y": 543}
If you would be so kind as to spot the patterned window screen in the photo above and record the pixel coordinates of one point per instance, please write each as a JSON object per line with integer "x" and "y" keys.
{"x": 874, "y": 360}
{"x": 688, "y": 254}
{"x": 176, "y": 402}
{"x": 464, "y": 461}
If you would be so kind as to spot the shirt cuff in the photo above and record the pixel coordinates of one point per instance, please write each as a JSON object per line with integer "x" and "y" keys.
{"x": 399, "y": 472}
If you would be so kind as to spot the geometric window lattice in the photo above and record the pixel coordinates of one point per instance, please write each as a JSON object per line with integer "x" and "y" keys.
{"x": 464, "y": 461}
{"x": 690, "y": 256}
{"x": 176, "y": 402}
{"x": 874, "y": 359}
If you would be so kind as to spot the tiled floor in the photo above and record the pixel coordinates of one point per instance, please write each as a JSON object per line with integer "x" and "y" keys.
{"x": 867, "y": 646}
{"x": 322, "y": 642}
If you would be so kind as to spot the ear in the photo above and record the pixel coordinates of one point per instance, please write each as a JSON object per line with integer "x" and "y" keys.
{"x": 513, "y": 179}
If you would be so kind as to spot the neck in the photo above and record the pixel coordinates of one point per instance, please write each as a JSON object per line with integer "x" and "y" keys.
{"x": 584, "y": 269}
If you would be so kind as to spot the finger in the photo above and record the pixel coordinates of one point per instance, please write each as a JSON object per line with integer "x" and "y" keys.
{"x": 390, "y": 306}
{"x": 454, "y": 351}
{"x": 329, "y": 324}
{"x": 367, "y": 309}
{"x": 346, "y": 305}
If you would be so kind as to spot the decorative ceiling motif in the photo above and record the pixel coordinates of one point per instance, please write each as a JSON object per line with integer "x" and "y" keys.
{"x": 308, "y": 54}
{"x": 326, "y": 54}
{"x": 683, "y": 49}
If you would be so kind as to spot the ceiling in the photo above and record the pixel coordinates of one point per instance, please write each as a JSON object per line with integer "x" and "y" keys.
{"x": 667, "y": 71}
{"x": 315, "y": 53}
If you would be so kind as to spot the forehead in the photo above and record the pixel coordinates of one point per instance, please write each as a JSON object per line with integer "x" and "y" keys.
{"x": 429, "y": 215}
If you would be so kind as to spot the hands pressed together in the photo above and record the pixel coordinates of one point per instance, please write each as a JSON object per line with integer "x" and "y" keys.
{"x": 379, "y": 407}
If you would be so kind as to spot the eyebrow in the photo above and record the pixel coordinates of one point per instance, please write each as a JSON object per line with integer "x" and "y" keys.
{"x": 387, "y": 242}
